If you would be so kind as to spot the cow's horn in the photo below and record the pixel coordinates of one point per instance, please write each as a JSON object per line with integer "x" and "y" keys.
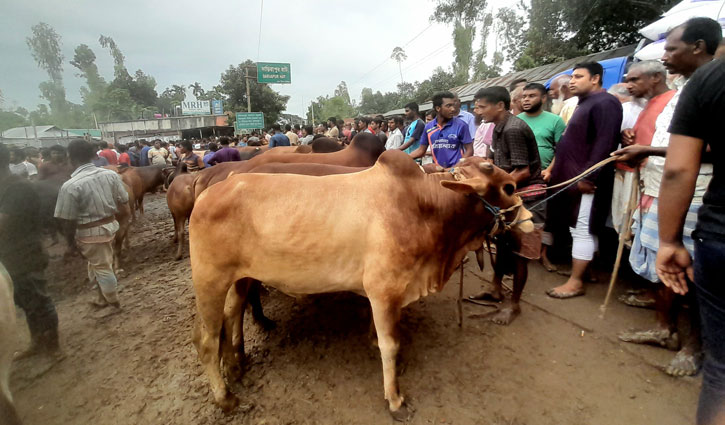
{"x": 440, "y": 169}
{"x": 486, "y": 167}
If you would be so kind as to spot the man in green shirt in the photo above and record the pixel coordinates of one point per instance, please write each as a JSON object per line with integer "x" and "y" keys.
{"x": 547, "y": 128}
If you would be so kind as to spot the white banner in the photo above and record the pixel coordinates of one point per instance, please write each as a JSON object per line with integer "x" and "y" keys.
{"x": 196, "y": 107}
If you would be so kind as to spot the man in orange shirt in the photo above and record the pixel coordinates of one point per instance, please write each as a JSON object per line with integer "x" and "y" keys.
{"x": 645, "y": 80}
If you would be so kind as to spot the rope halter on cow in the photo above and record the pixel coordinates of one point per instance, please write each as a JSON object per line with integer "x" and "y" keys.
{"x": 499, "y": 224}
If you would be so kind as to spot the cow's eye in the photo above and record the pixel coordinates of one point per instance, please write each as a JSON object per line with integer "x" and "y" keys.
{"x": 509, "y": 189}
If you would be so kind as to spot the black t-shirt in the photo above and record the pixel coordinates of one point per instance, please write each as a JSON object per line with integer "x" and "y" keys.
{"x": 20, "y": 248}
{"x": 699, "y": 114}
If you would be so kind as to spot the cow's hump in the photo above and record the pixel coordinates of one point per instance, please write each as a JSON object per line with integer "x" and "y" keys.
{"x": 399, "y": 163}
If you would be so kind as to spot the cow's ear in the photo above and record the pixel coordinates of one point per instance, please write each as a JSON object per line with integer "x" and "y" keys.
{"x": 465, "y": 187}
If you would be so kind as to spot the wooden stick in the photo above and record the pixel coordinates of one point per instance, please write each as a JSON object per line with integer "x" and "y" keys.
{"x": 460, "y": 298}
{"x": 631, "y": 207}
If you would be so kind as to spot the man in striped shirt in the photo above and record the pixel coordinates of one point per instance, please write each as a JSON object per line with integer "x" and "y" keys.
{"x": 91, "y": 198}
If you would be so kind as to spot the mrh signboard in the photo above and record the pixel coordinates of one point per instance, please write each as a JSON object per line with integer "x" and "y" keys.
{"x": 195, "y": 107}
{"x": 273, "y": 73}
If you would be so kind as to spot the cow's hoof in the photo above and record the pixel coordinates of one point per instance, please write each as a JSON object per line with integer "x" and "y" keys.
{"x": 403, "y": 414}
{"x": 228, "y": 403}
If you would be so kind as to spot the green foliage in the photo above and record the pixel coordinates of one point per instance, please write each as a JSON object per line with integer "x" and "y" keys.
{"x": 11, "y": 120}
{"x": 440, "y": 80}
{"x": 45, "y": 46}
{"x": 550, "y": 31}
{"x": 264, "y": 99}
{"x": 465, "y": 16}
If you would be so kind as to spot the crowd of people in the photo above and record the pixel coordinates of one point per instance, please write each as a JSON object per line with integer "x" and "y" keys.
{"x": 661, "y": 124}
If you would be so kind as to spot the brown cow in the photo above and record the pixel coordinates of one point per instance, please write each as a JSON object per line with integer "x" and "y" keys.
{"x": 398, "y": 234}
{"x": 305, "y": 169}
{"x": 180, "y": 200}
{"x": 141, "y": 180}
{"x": 123, "y": 216}
{"x": 249, "y": 152}
{"x": 325, "y": 144}
{"x": 363, "y": 151}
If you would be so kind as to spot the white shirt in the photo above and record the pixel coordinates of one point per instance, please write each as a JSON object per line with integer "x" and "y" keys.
{"x": 630, "y": 113}
{"x": 395, "y": 139}
{"x": 568, "y": 109}
{"x": 655, "y": 166}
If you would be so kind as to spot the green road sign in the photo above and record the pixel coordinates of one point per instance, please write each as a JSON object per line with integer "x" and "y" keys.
{"x": 273, "y": 73}
{"x": 249, "y": 120}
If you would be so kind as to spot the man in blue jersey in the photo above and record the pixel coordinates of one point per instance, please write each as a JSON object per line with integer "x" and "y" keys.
{"x": 448, "y": 136}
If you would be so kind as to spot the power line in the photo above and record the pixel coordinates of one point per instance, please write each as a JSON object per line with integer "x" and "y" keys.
{"x": 416, "y": 64}
{"x": 418, "y": 35}
{"x": 387, "y": 59}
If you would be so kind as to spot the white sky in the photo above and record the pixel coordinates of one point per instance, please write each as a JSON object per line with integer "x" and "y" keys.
{"x": 182, "y": 41}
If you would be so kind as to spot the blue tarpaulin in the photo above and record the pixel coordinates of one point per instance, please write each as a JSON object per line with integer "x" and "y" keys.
{"x": 613, "y": 72}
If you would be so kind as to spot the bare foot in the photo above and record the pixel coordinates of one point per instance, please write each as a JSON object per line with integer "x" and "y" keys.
{"x": 685, "y": 363}
{"x": 641, "y": 300}
{"x": 660, "y": 337}
{"x": 486, "y": 295}
{"x": 501, "y": 316}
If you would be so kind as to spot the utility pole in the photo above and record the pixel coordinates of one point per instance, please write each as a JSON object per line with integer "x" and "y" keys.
{"x": 246, "y": 80}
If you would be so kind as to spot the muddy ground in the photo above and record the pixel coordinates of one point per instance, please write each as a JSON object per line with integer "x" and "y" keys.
{"x": 556, "y": 364}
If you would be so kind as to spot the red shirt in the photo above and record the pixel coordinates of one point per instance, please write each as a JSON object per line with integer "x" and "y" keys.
{"x": 644, "y": 129}
{"x": 110, "y": 156}
{"x": 124, "y": 159}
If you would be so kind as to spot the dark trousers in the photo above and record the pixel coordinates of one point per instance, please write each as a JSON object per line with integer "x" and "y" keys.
{"x": 710, "y": 292}
{"x": 30, "y": 294}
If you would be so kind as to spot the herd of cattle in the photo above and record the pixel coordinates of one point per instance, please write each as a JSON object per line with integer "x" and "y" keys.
{"x": 326, "y": 218}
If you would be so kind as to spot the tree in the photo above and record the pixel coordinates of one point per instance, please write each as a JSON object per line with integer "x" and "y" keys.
{"x": 119, "y": 67}
{"x": 11, "y": 120}
{"x": 196, "y": 89}
{"x": 464, "y": 14}
{"x": 263, "y": 98}
{"x": 399, "y": 56}
{"x": 440, "y": 80}
{"x": 550, "y": 31}
{"x": 85, "y": 61}
{"x": 45, "y": 47}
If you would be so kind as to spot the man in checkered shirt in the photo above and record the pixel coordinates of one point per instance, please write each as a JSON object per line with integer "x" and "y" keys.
{"x": 91, "y": 199}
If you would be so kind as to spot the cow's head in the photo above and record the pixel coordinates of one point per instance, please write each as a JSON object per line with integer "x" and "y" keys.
{"x": 493, "y": 187}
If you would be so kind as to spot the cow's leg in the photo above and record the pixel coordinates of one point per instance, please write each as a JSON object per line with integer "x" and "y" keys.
{"x": 210, "y": 309}
{"x": 386, "y": 316}
{"x": 139, "y": 203}
{"x": 233, "y": 337}
{"x": 179, "y": 224}
{"x": 256, "y": 303}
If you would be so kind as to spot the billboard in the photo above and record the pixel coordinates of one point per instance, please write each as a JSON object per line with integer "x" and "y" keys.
{"x": 273, "y": 73}
{"x": 249, "y": 120}
{"x": 217, "y": 107}
{"x": 195, "y": 107}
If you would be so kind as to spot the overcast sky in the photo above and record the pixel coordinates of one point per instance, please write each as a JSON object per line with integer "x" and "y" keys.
{"x": 182, "y": 41}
